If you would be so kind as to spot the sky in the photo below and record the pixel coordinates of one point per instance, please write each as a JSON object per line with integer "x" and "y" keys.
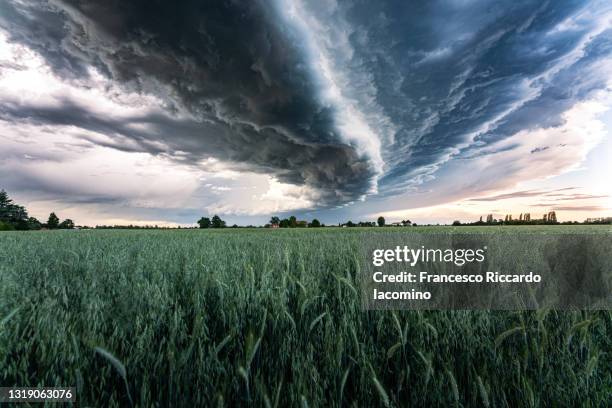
{"x": 147, "y": 112}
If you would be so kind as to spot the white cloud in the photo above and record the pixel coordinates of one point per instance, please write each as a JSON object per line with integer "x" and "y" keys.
{"x": 547, "y": 152}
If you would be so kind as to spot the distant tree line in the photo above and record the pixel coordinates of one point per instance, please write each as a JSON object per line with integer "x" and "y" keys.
{"x": 215, "y": 222}
{"x": 351, "y": 224}
{"x": 380, "y": 222}
{"x": 15, "y": 217}
{"x": 598, "y": 221}
{"x": 515, "y": 222}
{"x": 292, "y": 222}
{"x": 131, "y": 226}
{"x": 549, "y": 218}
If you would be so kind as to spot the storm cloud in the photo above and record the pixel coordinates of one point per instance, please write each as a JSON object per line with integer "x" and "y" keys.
{"x": 243, "y": 87}
{"x": 347, "y": 98}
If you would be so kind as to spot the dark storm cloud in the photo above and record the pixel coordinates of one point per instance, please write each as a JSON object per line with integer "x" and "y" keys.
{"x": 448, "y": 78}
{"x": 243, "y": 83}
{"x": 39, "y": 25}
{"x": 452, "y": 74}
{"x": 320, "y": 165}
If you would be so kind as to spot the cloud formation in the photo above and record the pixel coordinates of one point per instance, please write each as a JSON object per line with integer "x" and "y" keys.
{"x": 239, "y": 88}
{"x": 334, "y": 102}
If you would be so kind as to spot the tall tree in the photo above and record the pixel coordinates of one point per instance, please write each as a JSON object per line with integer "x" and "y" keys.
{"x": 5, "y": 201}
{"x": 53, "y": 221}
{"x": 315, "y": 223}
{"x": 274, "y": 221}
{"x": 11, "y": 213}
{"x": 217, "y": 222}
{"x": 292, "y": 222}
{"x": 381, "y": 221}
{"x": 204, "y": 222}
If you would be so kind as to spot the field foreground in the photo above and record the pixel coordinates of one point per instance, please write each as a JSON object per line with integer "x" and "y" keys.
{"x": 270, "y": 318}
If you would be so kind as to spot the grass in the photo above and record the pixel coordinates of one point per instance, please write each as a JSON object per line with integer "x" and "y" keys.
{"x": 270, "y": 318}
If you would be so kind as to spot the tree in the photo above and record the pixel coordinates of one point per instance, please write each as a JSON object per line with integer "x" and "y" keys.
{"x": 66, "y": 224}
{"x": 456, "y": 223}
{"x": 5, "y": 203}
{"x": 5, "y": 226}
{"x": 292, "y": 222}
{"x": 204, "y": 222}
{"x": 5, "y": 206}
{"x": 217, "y": 222}
{"x": 284, "y": 223}
{"x": 381, "y": 221}
{"x": 350, "y": 223}
{"x": 53, "y": 221}
{"x": 274, "y": 221}
{"x": 11, "y": 213}
{"x": 406, "y": 223}
{"x": 315, "y": 224}
{"x": 33, "y": 224}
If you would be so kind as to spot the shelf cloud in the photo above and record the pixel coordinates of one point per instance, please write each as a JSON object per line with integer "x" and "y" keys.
{"x": 243, "y": 90}
{"x": 345, "y": 100}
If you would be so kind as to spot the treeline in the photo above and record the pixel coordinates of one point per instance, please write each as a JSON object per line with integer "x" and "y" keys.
{"x": 529, "y": 222}
{"x": 380, "y": 222}
{"x": 292, "y": 222}
{"x": 214, "y": 222}
{"x": 130, "y": 226}
{"x": 598, "y": 221}
{"x": 217, "y": 222}
{"x": 513, "y": 222}
{"x": 14, "y": 217}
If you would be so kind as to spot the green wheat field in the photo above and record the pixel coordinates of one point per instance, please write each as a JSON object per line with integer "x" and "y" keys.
{"x": 271, "y": 318}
